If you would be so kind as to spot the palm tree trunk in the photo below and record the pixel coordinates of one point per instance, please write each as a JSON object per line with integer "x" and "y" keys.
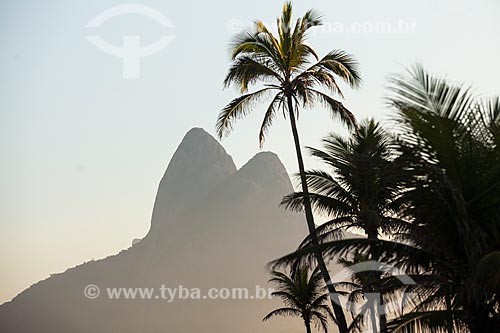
{"x": 308, "y": 325}
{"x": 334, "y": 297}
{"x": 382, "y": 317}
{"x": 380, "y": 306}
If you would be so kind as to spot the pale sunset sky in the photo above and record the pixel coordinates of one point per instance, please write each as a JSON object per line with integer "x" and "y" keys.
{"x": 83, "y": 149}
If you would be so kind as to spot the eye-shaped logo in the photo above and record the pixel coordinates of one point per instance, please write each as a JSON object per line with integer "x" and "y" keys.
{"x": 131, "y": 52}
{"x": 373, "y": 301}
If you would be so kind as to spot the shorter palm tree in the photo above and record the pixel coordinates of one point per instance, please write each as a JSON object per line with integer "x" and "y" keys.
{"x": 304, "y": 295}
{"x": 359, "y": 194}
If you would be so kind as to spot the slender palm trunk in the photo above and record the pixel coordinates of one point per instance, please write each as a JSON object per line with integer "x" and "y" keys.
{"x": 337, "y": 308}
{"x": 380, "y": 306}
{"x": 308, "y": 325}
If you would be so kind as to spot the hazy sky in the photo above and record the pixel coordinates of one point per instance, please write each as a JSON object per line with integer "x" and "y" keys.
{"x": 83, "y": 149}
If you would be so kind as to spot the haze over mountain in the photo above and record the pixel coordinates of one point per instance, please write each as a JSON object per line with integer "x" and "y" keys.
{"x": 212, "y": 226}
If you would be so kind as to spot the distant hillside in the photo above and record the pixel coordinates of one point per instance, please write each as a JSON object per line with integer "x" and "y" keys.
{"x": 213, "y": 226}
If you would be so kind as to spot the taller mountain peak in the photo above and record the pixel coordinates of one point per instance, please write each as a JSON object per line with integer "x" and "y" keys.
{"x": 197, "y": 166}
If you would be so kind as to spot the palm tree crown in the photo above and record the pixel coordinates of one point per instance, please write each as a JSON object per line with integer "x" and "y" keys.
{"x": 304, "y": 295}
{"x": 360, "y": 190}
{"x": 283, "y": 64}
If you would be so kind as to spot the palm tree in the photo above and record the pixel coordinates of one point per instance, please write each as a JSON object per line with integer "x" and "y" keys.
{"x": 304, "y": 295}
{"x": 283, "y": 65}
{"x": 450, "y": 142}
{"x": 359, "y": 191}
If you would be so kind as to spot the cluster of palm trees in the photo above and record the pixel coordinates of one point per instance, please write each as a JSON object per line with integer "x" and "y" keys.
{"x": 426, "y": 197}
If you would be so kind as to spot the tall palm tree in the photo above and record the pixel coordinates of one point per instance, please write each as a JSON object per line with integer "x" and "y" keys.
{"x": 304, "y": 295}
{"x": 358, "y": 192}
{"x": 293, "y": 74}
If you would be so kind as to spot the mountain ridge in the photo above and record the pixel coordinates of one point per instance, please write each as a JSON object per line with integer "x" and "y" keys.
{"x": 212, "y": 226}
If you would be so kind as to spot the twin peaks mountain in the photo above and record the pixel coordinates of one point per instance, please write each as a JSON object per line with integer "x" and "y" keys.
{"x": 213, "y": 226}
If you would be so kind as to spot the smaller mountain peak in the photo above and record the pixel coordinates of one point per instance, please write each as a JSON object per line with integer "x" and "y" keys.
{"x": 266, "y": 158}
{"x": 266, "y": 155}
{"x": 266, "y": 167}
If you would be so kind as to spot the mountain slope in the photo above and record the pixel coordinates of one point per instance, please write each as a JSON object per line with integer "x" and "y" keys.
{"x": 212, "y": 227}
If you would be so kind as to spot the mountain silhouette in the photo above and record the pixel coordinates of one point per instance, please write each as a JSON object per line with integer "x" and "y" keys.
{"x": 212, "y": 226}
{"x": 197, "y": 166}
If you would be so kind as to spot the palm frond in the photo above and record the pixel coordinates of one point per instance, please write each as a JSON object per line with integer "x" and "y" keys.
{"x": 276, "y": 103}
{"x": 393, "y": 253}
{"x": 287, "y": 312}
{"x": 341, "y": 64}
{"x": 336, "y": 108}
{"x": 436, "y": 321}
{"x": 260, "y": 44}
{"x": 247, "y": 70}
{"x": 322, "y": 204}
{"x": 425, "y": 92}
{"x": 237, "y": 109}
